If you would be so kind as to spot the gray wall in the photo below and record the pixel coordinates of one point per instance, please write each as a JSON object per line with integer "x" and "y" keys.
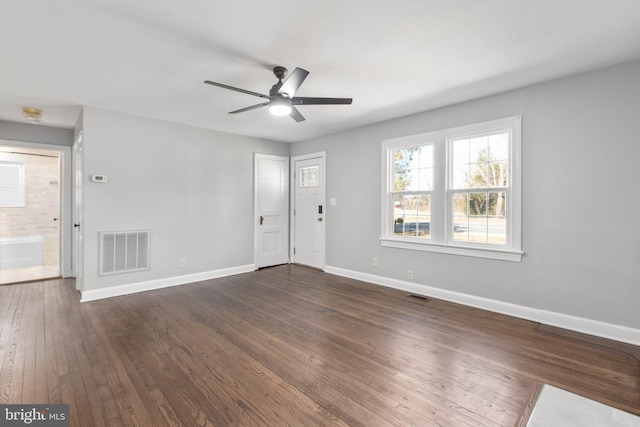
{"x": 28, "y": 132}
{"x": 193, "y": 188}
{"x": 581, "y": 232}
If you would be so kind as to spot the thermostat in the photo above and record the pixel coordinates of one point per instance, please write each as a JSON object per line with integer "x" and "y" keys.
{"x": 98, "y": 178}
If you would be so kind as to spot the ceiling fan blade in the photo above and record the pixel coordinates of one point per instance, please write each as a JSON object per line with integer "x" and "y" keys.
{"x": 293, "y": 82}
{"x": 297, "y": 100}
{"x": 295, "y": 114}
{"x": 253, "y": 107}
{"x": 248, "y": 92}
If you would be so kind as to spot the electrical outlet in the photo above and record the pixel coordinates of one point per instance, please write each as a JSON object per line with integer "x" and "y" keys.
{"x": 374, "y": 262}
{"x": 183, "y": 262}
{"x": 410, "y": 274}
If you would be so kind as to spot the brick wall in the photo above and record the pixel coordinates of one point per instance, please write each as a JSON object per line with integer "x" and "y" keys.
{"x": 42, "y": 196}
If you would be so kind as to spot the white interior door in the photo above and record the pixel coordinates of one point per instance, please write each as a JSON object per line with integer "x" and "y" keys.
{"x": 271, "y": 210}
{"x": 309, "y": 210}
{"x": 77, "y": 252}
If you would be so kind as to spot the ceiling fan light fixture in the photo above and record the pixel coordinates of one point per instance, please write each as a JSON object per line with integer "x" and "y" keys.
{"x": 281, "y": 98}
{"x": 280, "y": 107}
{"x": 32, "y": 114}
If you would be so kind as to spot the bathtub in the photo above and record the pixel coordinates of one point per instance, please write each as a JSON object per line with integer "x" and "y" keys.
{"x": 22, "y": 251}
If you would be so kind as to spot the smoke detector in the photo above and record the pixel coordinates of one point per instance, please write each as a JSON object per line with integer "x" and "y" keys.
{"x": 32, "y": 114}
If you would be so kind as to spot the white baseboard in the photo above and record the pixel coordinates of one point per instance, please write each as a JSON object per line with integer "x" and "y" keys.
{"x": 573, "y": 323}
{"x": 132, "y": 288}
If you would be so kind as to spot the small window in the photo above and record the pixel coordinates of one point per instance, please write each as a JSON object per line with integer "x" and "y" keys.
{"x": 309, "y": 176}
{"x": 12, "y": 184}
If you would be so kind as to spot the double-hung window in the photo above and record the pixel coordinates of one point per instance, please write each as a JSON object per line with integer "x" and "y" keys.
{"x": 455, "y": 191}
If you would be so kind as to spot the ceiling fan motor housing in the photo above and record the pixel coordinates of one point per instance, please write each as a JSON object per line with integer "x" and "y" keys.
{"x": 280, "y": 73}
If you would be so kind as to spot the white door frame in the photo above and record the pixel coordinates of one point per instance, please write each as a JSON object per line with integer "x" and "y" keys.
{"x": 65, "y": 198}
{"x": 77, "y": 235}
{"x": 293, "y": 186}
{"x": 257, "y": 226}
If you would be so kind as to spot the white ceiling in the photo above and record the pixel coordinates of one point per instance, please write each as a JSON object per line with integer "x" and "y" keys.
{"x": 150, "y": 57}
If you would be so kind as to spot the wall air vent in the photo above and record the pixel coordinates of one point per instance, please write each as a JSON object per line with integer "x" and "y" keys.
{"x": 123, "y": 251}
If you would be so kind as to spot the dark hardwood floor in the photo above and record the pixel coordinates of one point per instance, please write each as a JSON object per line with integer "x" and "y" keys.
{"x": 290, "y": 346}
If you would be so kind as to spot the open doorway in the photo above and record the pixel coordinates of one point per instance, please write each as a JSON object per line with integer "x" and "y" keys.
{"x": 29, "y": 214}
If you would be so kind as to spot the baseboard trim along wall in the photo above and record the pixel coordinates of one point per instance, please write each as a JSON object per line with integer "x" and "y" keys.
{"x": 578, "y": 324}
{"x": 115, "y": 291}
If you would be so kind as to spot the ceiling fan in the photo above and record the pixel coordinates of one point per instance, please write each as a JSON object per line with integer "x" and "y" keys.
{"x": 281, "y": 99}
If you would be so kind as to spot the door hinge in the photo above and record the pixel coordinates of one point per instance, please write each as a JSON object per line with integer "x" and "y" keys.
{"x": 294, "y": 251}
{"x": 294, "y": 212}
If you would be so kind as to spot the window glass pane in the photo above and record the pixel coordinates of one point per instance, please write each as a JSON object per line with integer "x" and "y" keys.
{"x": 413, "y": 168}
{"x": 10, "y": 173}
{"x": 405, "y": 221}
{"x": 499, "y": 147}
{"x": 309, "y": 176}
{"x": 498, "y": 230}
{"x": 498, "y": 174}
{"x": 478, "y": 229}
{"x": 411, "y": 224}
{"x": 423, "y": 204}
{"x": 399, "y": 214}
{"x": 478, "y": 177}
{"x": 12, "y": 187}
{"x": 478, "y": 149}
{"x": 426, "y": 156}
{"x": 497, "y": 221}
{"x": 424, "y": 227}
{"x": 478, "y": 158}
{"x": 461, "y": 228}
{"x": 478, "y": 217}
{"x": 477, "y": 204}
{"x": 402, "y": 159}
{"x": 460, "y": 163}
{"x": 412, "y": 215}
{"x": 497, "y": 204}
{"x": 425, "y": 179}
{"x": 460, "y": 204}
{"x": 460, "y": 217}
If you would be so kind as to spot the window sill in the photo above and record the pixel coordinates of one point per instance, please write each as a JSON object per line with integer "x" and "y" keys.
{"x": 490, "y": 253}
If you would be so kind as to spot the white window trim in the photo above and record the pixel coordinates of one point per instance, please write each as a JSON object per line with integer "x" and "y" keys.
{"x": 440, "y": 202}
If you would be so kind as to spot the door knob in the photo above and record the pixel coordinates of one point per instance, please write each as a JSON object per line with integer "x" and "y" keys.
{"x": 261, "y": 219}
{"x": 76, "y": 225}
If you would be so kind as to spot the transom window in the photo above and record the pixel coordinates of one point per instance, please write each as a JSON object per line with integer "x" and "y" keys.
{"x": 455, "y": 191}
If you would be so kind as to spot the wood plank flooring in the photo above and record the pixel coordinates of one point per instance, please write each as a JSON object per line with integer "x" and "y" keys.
{"x": 290, "y": 346}
{"x": 28, "y": 274}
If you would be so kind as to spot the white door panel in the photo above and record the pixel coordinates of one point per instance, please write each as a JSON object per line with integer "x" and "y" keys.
{"x": 271, "y": 210}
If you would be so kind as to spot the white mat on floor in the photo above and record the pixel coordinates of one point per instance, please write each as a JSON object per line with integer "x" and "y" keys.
{"x": 559, "y": 408}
